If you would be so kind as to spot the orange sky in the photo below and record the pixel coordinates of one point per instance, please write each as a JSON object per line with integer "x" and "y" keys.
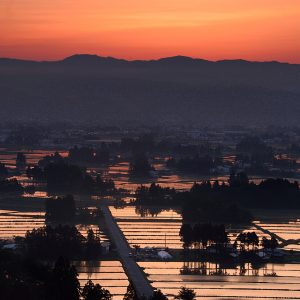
{"x": 144, "y": 29}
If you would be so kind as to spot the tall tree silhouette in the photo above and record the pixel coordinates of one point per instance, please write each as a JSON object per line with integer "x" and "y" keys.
{"x": 64, "y": 283}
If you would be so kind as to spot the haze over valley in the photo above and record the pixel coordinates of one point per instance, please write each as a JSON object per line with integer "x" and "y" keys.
{"x": 172, "y": 90}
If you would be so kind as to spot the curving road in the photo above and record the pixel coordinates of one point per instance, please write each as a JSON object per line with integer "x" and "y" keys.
{"x": 134, "y": 273}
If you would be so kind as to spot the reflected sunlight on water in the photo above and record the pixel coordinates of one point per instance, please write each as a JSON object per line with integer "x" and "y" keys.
{"x": 150, "y": 227}
{"x": 109, "y": 274}
{"x": 252, "y": 284}
{"x": 8, "y": 157}
{"x": 14, "y": 223}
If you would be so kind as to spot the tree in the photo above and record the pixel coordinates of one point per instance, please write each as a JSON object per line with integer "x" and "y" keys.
{"x": 273, "y": 243}
{"x": 253, "y": 239}
{"x": 51, "y": 242}
{"x": 131, "y": 293}
{"x": 186, "y": 234}
{"x": 269, "y": 243}
{"x": 238, "y": 180}
{"x": 158, "y": 295}
{"x": 3, "y": 171}
{"x": 21, "y": 160}
{"x": 95, "y": 292}
{"x": 242, "y": 239}
{"x": 60, "y": 208}
{"x": 140, "y": 166}
{"x": 64, "y": 283}
{"x": 10, "y": 186}
{"x": 186, "y": 294}
{"x": 265, "y": 243}
{"x": 20, "y": 277}
{"x": 93, "y": 245}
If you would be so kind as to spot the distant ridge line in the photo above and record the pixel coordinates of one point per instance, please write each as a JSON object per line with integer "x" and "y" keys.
{"x": 174, "y": 59}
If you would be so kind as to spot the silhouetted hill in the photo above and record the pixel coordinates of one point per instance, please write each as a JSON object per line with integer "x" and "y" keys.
{"x": 173, "y": 89}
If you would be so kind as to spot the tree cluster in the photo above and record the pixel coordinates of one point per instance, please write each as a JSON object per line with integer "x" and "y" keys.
{"x": 3, "y": 171}
{"x": 89, "y": 154}
{"x": 201, "y": 235}
{"x": 153, "y": 195}
{"x": 140, "y": 166}
{"x": 51, "y": 242}
{"x": 60, "y": 208}
{"x": 226, "y": 203}
{"x": 11, "y": 186}
{"x": 64, "y": 177}
{"x": 21, "y": 160}
{"x": 23, "y": 278}
{"x": 201, "y": 165}
{"x": 245, "y": 239}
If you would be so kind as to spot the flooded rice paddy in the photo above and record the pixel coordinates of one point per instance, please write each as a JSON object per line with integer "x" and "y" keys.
{"x": 285, "y": 225}
{"x": 210, "y": 280}
{"x": 16, "y": 223}
{"x": 154, "y": 228}
{"x": 8, "y": 157}
{"x": 109, "y": 274}
{"x": 273, "y": 281}
{"x": 120, "y": 174}
{"x": 162, "y": 175}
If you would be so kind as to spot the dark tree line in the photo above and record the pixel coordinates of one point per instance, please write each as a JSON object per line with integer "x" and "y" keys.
{"x": 23, "y": 278}
{"x": 167, "y": 146}
{"x": 60, "y": 208}
{"x": 183, "y": 294}
{"x": 11, "y": 186}
{"x": 51, "y": 242}
{"x": 246, "y": 239}
{"x": 70, "y": 178}
{"x": 202, "y": 235}
{"x": 257, "y": 157}
{"x": 28, "y": 279}
{"x": 197, "y": 204}
{"x": 202, "y": 165}
{"x": 252, "y": 146}
{"x": 63, "y": 209}
{"x": 228, "y": 203}
{"x": 249, "y": 241}
{"x": 55, "y": 158}
{"x": 89, "y": 154}
{"x": 154, "y": 195}
{"x": 140, "y": 166}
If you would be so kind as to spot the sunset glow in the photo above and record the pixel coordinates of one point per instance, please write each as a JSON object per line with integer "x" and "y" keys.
{"x": 144, "y": 29}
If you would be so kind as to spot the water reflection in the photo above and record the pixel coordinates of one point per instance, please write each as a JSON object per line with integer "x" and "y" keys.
{"x": 226, "y": 281}
{"x": 222, "y": 269}
{"x": 109, "y": 274}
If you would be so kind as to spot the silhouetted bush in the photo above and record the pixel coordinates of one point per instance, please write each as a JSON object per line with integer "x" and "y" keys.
{"x": 10, "y": 186}
{"x": 60, "y": 209}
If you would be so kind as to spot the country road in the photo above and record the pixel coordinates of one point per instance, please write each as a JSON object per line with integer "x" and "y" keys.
{"x": 134, "y": 273}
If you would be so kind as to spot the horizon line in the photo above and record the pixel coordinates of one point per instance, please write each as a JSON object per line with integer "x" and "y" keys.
{"x": 146, "y": 60}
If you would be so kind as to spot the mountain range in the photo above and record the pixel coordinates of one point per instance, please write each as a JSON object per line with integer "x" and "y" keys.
{"x": 175, "y": 90}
